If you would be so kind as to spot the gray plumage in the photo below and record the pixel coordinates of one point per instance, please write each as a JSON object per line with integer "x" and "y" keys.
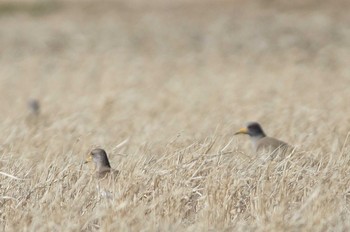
{"x": 34, "y": 106}
{"x": 261, "y": 142}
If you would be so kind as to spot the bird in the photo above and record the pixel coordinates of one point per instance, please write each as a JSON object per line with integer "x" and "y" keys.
{"x": 33, "y": 117}
{"x": 102, "y": 166}
{"x": 105, "y": 175}
{"x": 34, "y": 106}
{"x": 261, "y": 142}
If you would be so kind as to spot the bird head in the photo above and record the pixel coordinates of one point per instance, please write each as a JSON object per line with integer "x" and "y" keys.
{"x": 99, "y": 157}
{"x": 252, "y": 129}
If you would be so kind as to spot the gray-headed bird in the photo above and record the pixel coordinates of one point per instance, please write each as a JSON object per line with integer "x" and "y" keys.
{"x": 261, "y": 142}
{"x": 104, "y": 173}
{"x": 34, "y": 118}
{"x": 34, "y": 106}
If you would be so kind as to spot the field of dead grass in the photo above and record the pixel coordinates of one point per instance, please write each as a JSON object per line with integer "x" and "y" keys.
{"x": 162, "y": 87}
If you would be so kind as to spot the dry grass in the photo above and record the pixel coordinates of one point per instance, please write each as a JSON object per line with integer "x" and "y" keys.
{"x": 162, "y": 87}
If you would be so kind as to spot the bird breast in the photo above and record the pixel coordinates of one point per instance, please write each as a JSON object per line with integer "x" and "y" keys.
{"x": 269, "y": 144}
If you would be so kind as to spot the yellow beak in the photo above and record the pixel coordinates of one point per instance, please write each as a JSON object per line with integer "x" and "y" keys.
{"x": 242, "y": 131}
{"x": 88, "y": 159}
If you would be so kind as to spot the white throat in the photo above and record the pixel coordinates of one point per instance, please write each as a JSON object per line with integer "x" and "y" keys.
{"x": 255, "y": 140}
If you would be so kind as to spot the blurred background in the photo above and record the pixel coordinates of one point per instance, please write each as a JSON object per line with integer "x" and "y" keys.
{"x": 104, "y": 71}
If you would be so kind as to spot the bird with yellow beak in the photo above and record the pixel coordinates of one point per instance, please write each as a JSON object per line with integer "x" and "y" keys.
{"x": 103, "y": 171}
{"x": 260, "y": 141}
{"x": 100, "y": 160}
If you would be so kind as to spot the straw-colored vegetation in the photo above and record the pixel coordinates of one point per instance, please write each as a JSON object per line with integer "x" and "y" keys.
{"x": 162, "y": 86}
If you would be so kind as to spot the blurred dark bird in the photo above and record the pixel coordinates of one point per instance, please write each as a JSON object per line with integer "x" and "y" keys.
{"x": 33, "y": 116}
{"x": 34, "y": 106}
{"x": 261, "y": 142}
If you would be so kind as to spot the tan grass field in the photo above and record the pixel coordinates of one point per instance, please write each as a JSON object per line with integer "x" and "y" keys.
{"x": 162, "y": 86}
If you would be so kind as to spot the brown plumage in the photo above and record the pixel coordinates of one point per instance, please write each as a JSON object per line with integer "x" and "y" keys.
{"x": 102, "y": 166}
{"x": 105, "y": 175}
{"x": 261, "y": 142}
